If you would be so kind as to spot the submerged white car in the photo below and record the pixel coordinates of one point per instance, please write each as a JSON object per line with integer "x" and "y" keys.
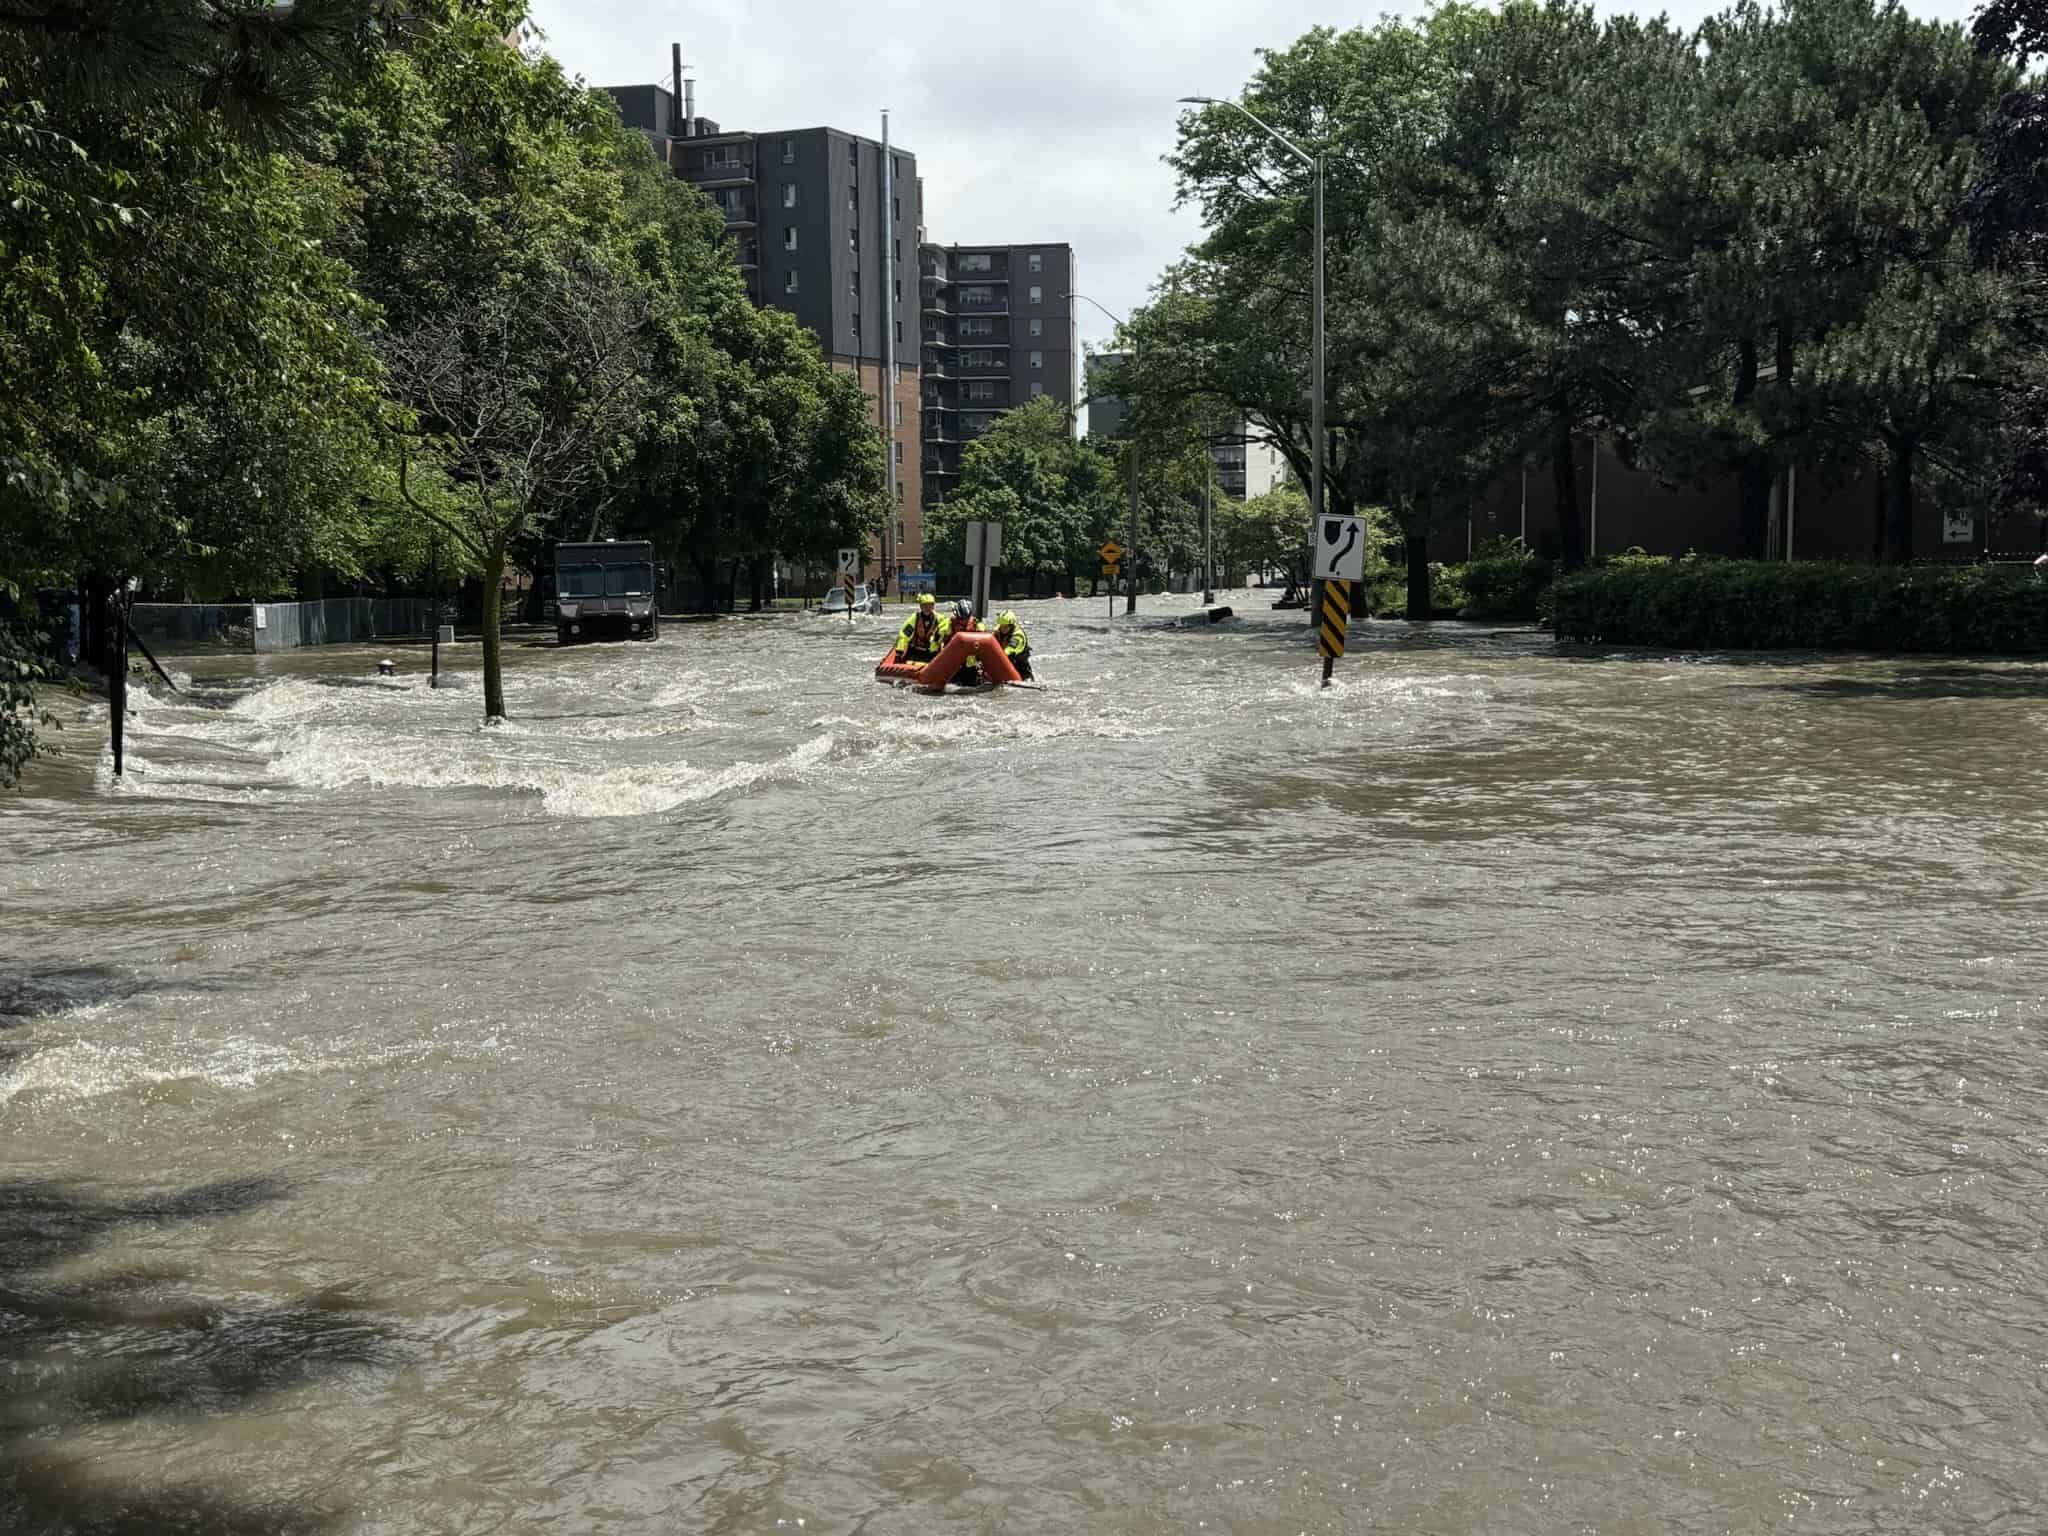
{"x": 865, "y": 600}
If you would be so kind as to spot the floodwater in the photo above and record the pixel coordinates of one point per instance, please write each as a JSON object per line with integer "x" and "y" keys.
{"x": 1504, "y": 1093}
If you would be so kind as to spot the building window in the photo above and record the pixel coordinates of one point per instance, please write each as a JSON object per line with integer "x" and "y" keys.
{"x": 899, "y": 490}
{"x": 899, "y": 290}
{"x": 1038, "y": 359}
{"x": 1037, "y": 262}
{"x": 898, "y": 412}
{"x": 1037, "y": 294}
{"x": 980, "y": 390}
{"x": 974, "y": 261}
{"x": 899, "y": 210}
{"x": 1037, "y": 326}
{"x": 853, "y": 239}
{"x": 852, "y": 200}
{"x": 789, "y": 194}
{"x": 853, "y": 154}
{"x": 977, "y": 326}
{"x": 977, "y": 295}
{"x": 1037, "y": 389}
{"x": 896, "y": 162}
{"x": 789, "y": 151}
{"x": 789, "y": 244}
{"x": 853, "y": 282}
{"x": 899, "y": 452}
{"x": 899, "y": 532}
{"x": 977, "y": 359}
{"x": 789, "y": 281}
{"x": 899, "y": 333}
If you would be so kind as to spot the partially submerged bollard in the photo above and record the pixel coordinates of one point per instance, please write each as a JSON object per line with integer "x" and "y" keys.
{"x": 1212, "y": 615}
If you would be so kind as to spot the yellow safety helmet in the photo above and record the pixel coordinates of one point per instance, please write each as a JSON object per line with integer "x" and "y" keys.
{"x": 927, "y": 600}
{"x": 1007, "y": 616}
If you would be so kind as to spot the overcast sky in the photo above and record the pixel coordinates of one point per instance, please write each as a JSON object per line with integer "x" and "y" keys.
{"x": 1030, "y": 122}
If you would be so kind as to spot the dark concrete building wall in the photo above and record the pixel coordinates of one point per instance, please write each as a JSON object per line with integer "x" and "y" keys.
{"x": 981, "y": 357}
{"x": 1835, "y": 515}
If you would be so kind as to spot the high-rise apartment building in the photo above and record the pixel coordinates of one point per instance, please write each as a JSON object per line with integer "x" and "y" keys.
{"x": 998, "y": 332}
{"x": 1246, "y": 466}
{"x": 825, "y": 226}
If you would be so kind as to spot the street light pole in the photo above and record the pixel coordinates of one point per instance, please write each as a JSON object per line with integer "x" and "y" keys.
{"x": 1315, "y": 165}
{"x": 1130, "y": 592}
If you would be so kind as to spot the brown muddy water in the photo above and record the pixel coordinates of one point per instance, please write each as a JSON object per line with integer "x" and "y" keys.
{"x": 1503, "y": 1093}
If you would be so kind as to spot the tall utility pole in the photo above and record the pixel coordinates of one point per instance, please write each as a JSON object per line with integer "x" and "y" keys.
{"x": 1315, "y": 165}
{"x": 885, "y": 376}
{"x": 1130, "y": 592}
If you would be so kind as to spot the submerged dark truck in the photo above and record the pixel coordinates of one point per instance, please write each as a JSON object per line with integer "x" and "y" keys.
{"x": 605, "y": 589}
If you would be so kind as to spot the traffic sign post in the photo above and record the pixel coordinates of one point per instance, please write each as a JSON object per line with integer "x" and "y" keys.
{"x": 984, "y": 551}
{"x": 849, "y": 567}
{"x": 1112, "y": 561}
{"x": 1332, "y": 623}
{"x": 1340, "y": 560}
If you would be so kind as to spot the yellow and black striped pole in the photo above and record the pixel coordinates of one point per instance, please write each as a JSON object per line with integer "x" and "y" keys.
{"x": 1332, "y": 623}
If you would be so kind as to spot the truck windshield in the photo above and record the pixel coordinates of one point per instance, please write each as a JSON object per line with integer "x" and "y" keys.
{"x": 621, "y": 580}
{"x": 580, "y": 581}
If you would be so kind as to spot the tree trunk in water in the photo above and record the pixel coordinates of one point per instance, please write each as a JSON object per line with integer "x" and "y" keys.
{"x": 1418, "y": 575}
{"x": 732, "y": 588}
{"x": 756, "y": 597}
{"x": 494, "y": 660}
{"x": 1564, "y": 481}
{"x": 1898, "y": 501}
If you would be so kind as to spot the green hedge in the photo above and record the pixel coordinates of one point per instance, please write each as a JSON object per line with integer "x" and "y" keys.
{"x": 1502, "y": 580}
{"x": 1699, "y": 604}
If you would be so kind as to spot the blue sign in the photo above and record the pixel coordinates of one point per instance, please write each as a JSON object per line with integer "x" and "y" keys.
{"x": 916, "y": 581}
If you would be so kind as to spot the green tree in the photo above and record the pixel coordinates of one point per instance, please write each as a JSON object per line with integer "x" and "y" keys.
{"x": 523, "y": 395}
{"x": 1055, "y": 497}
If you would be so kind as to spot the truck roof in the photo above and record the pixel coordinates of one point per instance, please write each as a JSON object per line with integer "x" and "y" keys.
{"x": 620, "y": 549}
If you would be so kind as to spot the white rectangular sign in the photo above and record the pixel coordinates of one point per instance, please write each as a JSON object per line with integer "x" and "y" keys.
{"x": 1340, "y": 549}
{"x": 1958, "y": 528}
{"x": 984, "y": 544}
{"x": 849, "y": 562}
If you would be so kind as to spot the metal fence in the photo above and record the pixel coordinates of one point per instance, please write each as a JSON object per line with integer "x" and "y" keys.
{"x": 338, "y": 620}
{"x": 278, "y": 626}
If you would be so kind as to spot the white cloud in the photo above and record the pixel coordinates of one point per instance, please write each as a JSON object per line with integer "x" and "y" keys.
{"x": 1029, "y": 123}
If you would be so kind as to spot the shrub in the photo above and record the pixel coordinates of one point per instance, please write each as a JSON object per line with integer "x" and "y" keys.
{"x": 1504, "y": 581}
{"x": 1758, "y": 605}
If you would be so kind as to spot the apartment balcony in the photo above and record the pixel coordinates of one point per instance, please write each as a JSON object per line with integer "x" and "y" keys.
{"x": 979, "y": 304}
{"x": 997, "y": 270}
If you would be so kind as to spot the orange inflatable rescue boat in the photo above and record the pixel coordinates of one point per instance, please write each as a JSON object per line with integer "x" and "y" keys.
{"x": 943, "y": 668}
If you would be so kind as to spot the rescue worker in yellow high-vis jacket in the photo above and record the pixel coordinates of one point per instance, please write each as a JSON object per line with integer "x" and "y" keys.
{"x": 1016, "y": 644}
{"x": 919, "y": 640}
